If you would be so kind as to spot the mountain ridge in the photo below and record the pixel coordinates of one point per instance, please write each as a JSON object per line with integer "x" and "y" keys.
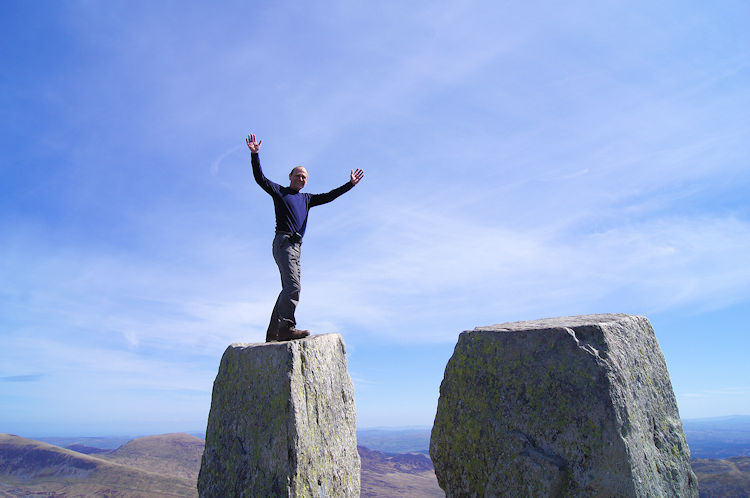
{"x": 28, "y": 466}
{"x": 383, "y": 473}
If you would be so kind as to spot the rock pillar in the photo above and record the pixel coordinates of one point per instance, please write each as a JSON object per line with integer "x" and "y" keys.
{"x": 573, "y": 406}
{"x": 282, "y": 422}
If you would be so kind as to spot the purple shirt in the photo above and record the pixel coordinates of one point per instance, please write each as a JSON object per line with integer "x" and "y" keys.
{"x": 292, "y": 206}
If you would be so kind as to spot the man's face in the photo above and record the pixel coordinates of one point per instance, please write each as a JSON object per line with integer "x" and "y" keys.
{"x": 298, "y": 178}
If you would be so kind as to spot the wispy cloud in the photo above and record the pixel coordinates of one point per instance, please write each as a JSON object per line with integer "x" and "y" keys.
{"x": 714, "y": 402}
{"x": 217, "y": 162}
{"x": 725, "y": 391}
{"x": 420, "y": 274}
{"x": 21, "y": 378}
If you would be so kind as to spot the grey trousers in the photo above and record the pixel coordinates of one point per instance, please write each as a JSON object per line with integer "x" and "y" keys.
{"x": 287, "y": 256}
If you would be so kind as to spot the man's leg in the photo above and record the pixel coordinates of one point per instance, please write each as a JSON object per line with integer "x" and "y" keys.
{"x": 272, "y": 332}
{"x": 287, "y": 258}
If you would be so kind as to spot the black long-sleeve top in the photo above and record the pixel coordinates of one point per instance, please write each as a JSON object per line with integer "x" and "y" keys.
{"x": 292, "y": 206}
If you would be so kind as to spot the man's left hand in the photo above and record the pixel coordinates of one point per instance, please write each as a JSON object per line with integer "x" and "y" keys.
{"x": 356, "y": 176}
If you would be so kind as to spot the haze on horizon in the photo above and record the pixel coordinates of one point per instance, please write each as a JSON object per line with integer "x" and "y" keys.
{"x": 522, "y": 161}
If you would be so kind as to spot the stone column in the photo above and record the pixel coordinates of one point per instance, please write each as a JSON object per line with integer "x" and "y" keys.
{"x": 282, "y": 422}
{"x": 572, "y": 406}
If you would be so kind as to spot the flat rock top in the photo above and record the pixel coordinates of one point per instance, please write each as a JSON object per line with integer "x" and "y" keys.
{"x": 309, "y": 339}
{"x": 559, "y": 322}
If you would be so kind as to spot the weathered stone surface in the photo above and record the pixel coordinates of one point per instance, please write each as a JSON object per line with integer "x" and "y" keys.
{"x": 282, "y": 422}
{"x": 572, "y": 406}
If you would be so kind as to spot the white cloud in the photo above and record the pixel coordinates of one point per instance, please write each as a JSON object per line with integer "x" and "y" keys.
{"x": 715, "y": 402}
{"x": 726, "y": 391}
{"x": 217, "y": 162}
{"x": 419, "y": 269}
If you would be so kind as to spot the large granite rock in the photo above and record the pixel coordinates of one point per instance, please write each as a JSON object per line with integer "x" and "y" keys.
{"x": 573, "y": 406}
{"x": 282, "y": 422}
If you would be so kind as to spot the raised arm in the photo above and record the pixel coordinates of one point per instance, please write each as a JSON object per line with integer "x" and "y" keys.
{"x": 260, "y": 178}
{"x": 354, "y": 178}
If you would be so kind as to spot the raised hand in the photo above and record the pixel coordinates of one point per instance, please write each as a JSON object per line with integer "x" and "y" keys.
{"x": 356, "y": 175}
{"x": 252, "y": 144}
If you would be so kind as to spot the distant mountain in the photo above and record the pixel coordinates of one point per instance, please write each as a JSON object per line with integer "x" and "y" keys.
{"x": 719, "y": 437}
{"x": 86, "y": 450}
{"x": 416, "y": 440}
{"x": 103, "y": 442}
{"x": 408, "y": 475}
{"x": 33, "y": 468}
{"x": 729, "y": 477}
{"x": 168, "y": 464}
{"x": 177, "y": 455}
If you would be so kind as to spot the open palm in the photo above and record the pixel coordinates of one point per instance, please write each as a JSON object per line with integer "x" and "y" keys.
{"x": 252, "y": 144}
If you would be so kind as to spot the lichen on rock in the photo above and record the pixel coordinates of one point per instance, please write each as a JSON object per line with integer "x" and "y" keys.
{"x": 572, "y": 406}
{"x": 282, "y": 422}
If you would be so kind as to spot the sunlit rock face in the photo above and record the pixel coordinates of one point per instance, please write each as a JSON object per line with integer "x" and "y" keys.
{"x": 282, "y": 422}
{"x": 571, "y": 406}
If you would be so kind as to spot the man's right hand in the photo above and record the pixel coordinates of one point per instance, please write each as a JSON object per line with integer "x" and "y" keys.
{"x": 252, "y": 144}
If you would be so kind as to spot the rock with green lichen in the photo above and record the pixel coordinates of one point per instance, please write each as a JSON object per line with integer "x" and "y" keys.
{"x": 282, "y": 422}
{"x": 572, "y": 406}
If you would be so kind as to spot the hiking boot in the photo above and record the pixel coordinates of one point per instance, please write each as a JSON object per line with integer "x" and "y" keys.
{"x": 291, "y": 333}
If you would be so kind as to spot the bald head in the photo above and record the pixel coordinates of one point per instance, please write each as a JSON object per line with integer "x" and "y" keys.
{"x": 298, "y": 178}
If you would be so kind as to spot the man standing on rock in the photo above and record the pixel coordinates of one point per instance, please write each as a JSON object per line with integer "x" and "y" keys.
{"x": 292, "y": 208}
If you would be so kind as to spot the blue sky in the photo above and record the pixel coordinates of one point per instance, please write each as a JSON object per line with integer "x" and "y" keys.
{"x": 523, "y": 160}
